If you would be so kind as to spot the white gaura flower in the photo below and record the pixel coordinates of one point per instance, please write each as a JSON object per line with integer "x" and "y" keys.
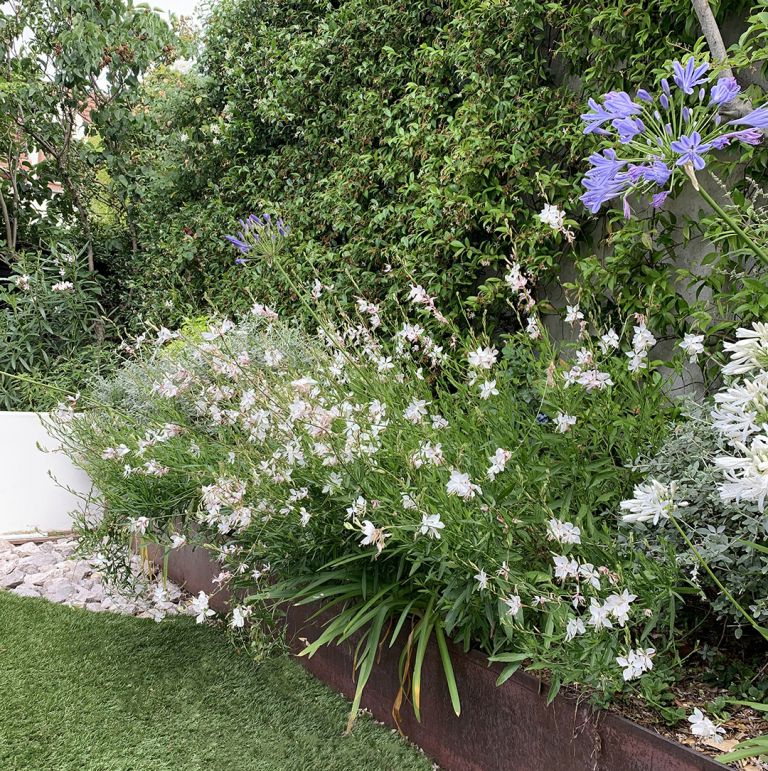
{"x": 618, "y": 606}
{"x": 563, "y": 532}
{"x": 482, "y": 579}
{"x": 637, "y": 360}
{"x": 746, "y": 478}
{"x": 599, "y": 615}
{"x": 333, "y": 483}
{"x": 532, "y": 328}
{"x": 178, "y": 540}
{"x": 428, "y": 453}
{"x": 565, "y": 567}
{"x": 264, "y": 312}
{"x": 407, "y": 502}
{"x": 573, "y": 315}
{"x": 164, "y": 335}
{"x": 499, "y": 461}
{"x": 574, "y": 627}
{"x": 636, "y": 662}
{"x": 642, "y": 340}
{"x": 704, "y": 728}
{"x": 215, "y": 331}
{"x": 588, "y": 573}
{"x": 652, "y": 501}
{"x": 63, "y": 286}
{"x": 564, "y": 422}
{"x": 439, "y": 422}
{"x": 431, "y": 525}
{"x": 273, "y": 357}
{"x": 514, "y": 604}
{"x": 515, "y": 278}
{"x": 358, "y": 508}
{"x": 488, "y": 389}
{"x": 482, "y": 358}
{"x": 373, "y": 536}
{"x": 115, "y": 453}
{"x": 553, "y": 216}
{"x": 461, "y": 485}
{"x": 750, "y": 352}
{"x": 239, "y": 616}
{"x": 608, "y": 341}
{"x": 139, "y": 524}
{"x": 305, "y": 516}
{"x": 416, "y": 411}
{"x": 199, "y": 607}
{"x": 692, "y": 346}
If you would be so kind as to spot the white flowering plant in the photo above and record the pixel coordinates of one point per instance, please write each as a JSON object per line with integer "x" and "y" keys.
{"x": 416, "y": 490}
{"x": 51, "y": 327}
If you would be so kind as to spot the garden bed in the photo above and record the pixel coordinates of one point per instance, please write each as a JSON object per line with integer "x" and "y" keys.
{"x": 497, "y": 723}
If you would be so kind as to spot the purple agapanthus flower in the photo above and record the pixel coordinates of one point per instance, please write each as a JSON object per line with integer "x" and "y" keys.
{"x": 617, "y": 106}
{"x": 651, "y": 138}
{"x": 724, "y": 91}
{"x": 261, "y": 234}
{"x": 688, "y": 76}
{"x": 756, "y": 119}
{"x": 628, "y": 128}
{"x": 620, "y": 104}
{"x": 690, "y": 149}
{"x": 657, "y": 172}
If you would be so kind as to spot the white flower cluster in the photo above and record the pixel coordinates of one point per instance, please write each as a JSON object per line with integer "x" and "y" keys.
{"x": 741, "y": 417}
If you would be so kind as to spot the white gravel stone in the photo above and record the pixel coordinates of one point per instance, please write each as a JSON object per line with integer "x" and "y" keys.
{"x": 26, "y": 591}
{"x": 12, "y": 580}
{"x": 30, "y": 547}
{"x": 50, "y": 570}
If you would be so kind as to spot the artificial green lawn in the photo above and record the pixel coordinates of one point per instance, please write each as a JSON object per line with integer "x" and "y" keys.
{"x": 101, "y": 692}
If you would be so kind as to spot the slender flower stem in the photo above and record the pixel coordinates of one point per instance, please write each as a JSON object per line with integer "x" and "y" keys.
{"x": 762, "y": 631}
{"x": 759, "y": 251}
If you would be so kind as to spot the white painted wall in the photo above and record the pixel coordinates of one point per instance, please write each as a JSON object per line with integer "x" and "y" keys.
{"x": 29, "y": 498}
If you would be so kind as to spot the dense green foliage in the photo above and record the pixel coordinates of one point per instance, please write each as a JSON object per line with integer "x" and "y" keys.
{"x": 52, "y": 334}
{"x": 96, "y": 691}
{"x": 399, "y": 139}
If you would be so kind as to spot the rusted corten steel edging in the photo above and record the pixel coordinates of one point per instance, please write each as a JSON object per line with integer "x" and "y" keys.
{"x": 506, "y": 728}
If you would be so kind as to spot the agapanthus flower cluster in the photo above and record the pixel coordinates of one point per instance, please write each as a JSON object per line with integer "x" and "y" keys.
{"x": 654, "y": 137}
{"x": 652, "y": 501}
{"x": 262, "y": 236}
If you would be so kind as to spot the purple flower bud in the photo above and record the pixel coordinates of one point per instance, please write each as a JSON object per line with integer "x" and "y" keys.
{"x": 627, "y": 210}
{"x": 665, "y": 86}
{"x": 644, "y": 95}
{"x": 664, "y": 100}
{"x": 701, "y": 94}
{"x": 686, "y": 114}
{"x": 657, "y": 115}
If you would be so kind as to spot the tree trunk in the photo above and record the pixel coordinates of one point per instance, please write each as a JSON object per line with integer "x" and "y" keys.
{"x": 738, "y": 107}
